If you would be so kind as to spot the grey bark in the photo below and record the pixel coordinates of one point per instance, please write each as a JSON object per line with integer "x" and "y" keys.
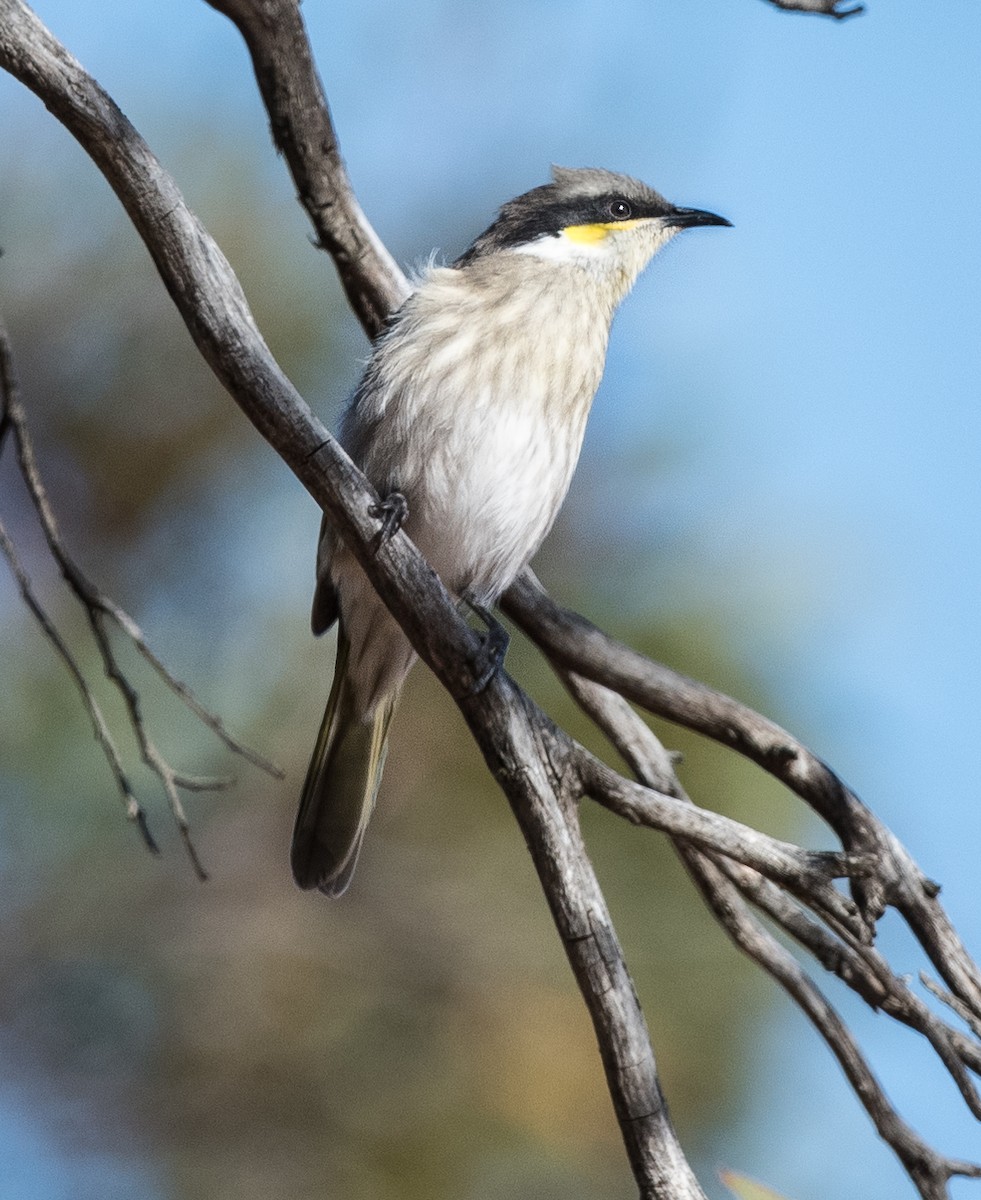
{"x": 543, "y": 772}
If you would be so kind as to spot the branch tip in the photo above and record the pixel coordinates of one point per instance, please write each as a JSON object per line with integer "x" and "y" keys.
{"x": 99, "y": 608}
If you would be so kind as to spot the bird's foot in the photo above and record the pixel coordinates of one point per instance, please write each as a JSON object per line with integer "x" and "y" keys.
{"x": 494, "y": 644}
{"x": 392, "y": 511}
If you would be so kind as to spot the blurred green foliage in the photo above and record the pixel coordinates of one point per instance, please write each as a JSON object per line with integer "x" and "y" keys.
{"x": 421, "y": 1038}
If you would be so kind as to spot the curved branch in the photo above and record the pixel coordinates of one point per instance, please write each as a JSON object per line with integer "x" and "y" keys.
{"x": 303, "y": 131}
{"x": 542, "y": 771}
{"x": 508, "y": 729}
{"x": 807, "y": 874}
{"x": 572, "y": 642}
{"x": 575, "y": 644}
{"x": 134, "y": 810}
{"x": 98, "y": 609}
{"x": 929, "y": 1170}
{"x": 725, "y": 886}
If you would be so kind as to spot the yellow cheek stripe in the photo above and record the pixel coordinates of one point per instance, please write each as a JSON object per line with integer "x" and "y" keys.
{"x": 590, "y": 234}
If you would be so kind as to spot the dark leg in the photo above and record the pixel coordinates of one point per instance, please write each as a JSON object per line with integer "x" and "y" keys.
{"x": 493, "y": 648}
{"x": 392, "y": 511}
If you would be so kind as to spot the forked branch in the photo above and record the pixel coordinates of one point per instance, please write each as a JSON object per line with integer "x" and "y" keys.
{"x": 574, "y": 644}
{"x": 730, "y": 890}
{"x": 542, "y": 770}
{"x": 101, "y": 610}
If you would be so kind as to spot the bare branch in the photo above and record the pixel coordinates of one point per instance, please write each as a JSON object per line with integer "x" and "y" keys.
{"x": 541, "y": 792}
{"x": 303, "y": 132}
{"x": 133, "y": 809}
{"x": 807, "y": 874}
{"x": 929, "y": 1170}
{"x": 966, "y": 1015}
{"x": 509, "y": 730}
{"x": 573, "y": 643}
{"x": 721, "y": 882}
{"x": 859, "y": 966}
{"x": 98, "y": 607}
{"x": 822, "y": 8}
{"x": 868, "y": 974}
{"x": 541, "y": 769}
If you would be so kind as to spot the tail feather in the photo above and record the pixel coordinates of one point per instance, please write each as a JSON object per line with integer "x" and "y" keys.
{"x": 341, "y": 785}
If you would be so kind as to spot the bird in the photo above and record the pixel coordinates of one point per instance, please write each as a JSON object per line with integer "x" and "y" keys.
{"x": 468, "y": 420}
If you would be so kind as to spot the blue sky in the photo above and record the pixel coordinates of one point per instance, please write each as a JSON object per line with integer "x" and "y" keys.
{"x": 818, "y": 366}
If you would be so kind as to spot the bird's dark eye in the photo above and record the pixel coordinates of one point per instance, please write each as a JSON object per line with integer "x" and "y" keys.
{"x": 619, "y": 210}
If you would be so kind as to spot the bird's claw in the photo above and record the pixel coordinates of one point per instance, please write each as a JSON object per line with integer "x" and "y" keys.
{"x": 392, "y": 511}
{"x": 493, "y": 647}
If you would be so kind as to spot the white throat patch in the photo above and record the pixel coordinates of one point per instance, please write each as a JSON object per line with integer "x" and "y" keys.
{"x": 632, "y": 243}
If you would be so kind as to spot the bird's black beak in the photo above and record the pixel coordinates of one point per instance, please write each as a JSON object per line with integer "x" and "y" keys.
{"x": 687, "y": 218}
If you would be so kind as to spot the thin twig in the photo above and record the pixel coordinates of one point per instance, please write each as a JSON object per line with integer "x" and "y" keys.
{"x": 98, "y": 607}
{"x": 969, "y": 1017}
{"x": 821, "y": 8}
{"x": 91, "y": 597}
{"x": 653, "y": 765}
{"x": 212, "y": 720}
{"x": 805, "y": 873}
{"x": 573, "y": 643}
{"x": 99, "y": 725}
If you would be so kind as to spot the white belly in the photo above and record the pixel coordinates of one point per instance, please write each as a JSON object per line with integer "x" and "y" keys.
{"x": 476, "y": 412}
{"x": 474, "y": 407}
{"x": 491, "y": 491}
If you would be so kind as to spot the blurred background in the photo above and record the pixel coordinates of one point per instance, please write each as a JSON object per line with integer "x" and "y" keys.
{"x": 779, "y": 494}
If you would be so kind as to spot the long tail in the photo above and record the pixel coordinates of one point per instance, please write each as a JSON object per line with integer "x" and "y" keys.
{"x": 341, "y": 786}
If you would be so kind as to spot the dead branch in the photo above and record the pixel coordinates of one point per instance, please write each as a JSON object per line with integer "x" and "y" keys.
{"x": 100, "y": 727}
{"x": 574, "y": 644}
{"x": 821, "y": 8}
{"x": 99, "y": 609}
{"x": 726, "y": 888}
{"x": 510, "y": 731}
{"x": 543, "y": 771}
{"x": 303, "y": 131}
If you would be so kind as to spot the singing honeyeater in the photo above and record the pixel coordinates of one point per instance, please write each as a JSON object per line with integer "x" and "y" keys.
{"x": 473, "y": 407}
